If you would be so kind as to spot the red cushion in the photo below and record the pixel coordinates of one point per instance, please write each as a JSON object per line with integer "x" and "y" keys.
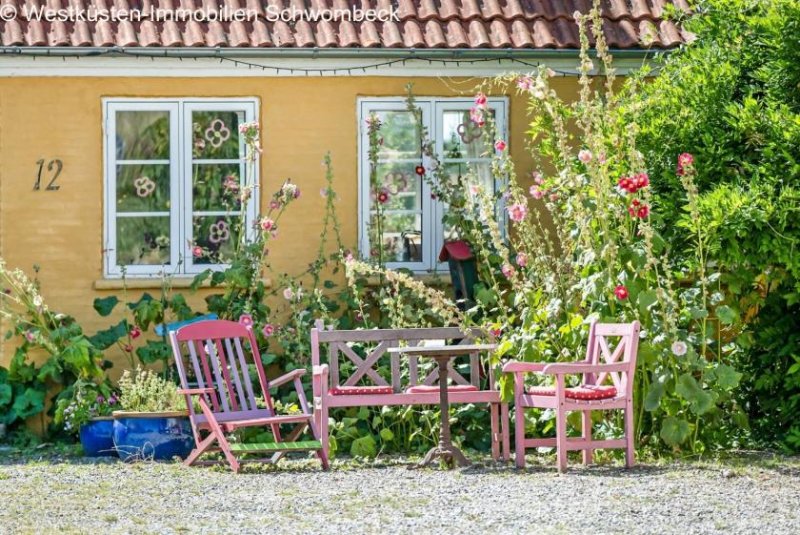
{"x": 578, "y": 392}
{"x": 359, "y": 390}
{"x": 428, "y": 389}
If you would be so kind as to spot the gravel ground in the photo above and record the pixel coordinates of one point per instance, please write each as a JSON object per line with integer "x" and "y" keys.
{"x": 58, "y": 494}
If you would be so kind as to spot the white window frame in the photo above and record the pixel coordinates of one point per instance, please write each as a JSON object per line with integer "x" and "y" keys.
{"x": 432, "y": 210}
{"x": 180, "y": 162}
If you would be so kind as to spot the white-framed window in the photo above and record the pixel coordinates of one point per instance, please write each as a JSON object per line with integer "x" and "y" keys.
{"x": 173, "y": 170}
{"x": 412, "y": 230}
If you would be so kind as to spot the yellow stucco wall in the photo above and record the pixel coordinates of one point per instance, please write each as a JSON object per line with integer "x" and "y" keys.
{"x": 62, "y": 118}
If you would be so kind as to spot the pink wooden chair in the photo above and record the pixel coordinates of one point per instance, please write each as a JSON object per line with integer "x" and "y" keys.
{"x": 213, "y": 359}
{"x": 365, "y": 387}
{"x": 601, "y": 367}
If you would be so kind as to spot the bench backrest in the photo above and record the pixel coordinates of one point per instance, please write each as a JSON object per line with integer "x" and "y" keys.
{"x": 339, "y": 347}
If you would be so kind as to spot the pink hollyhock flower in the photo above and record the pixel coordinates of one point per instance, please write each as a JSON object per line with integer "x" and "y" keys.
{"x": 267, "y": 224}
{"x": 348, "y": 257}
{"x": 525, "y": 83}
{"x": 480, "y": 100}
{"x": 621, "y": 292}
{"x": 476, "y": 116}
{"x": 500, "y": 145}
{"x": 517, "y": 212}
{"x": 30, "y": 336}
{"x": 496, "y": 332}
{"x": 136, "y": 332}
{"x": 522, "y": 260}
{"x": 538, "y": 179}
{"x": 197, "y": 251}
{"x": 642, "y": 181}
{"x": 553, "y": 197}
{"x": 508, "y": 270}
{"x": 679, "y": 348}
{"x": 288, "y": 294}
{"x": 684, "y": 160}
{"x": 383, "y": 196}
{"x": 99, "y": 399}
{"x": 274, "y": 205}
{"x": 643, "y": 212}
{"x": 585, "y": 156}
{"x": 268, "y": 330}
{"x": 536, "y": 193}
{"x": 246, "y": 320}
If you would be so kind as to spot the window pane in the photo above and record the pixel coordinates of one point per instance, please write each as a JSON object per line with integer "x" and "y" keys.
{"x": 400, "y": 136}
{"x": 143, "y": 241}
{"x": 470, "y": 172}
{"x": 402, "y": 237}
{"x": 142, "y": 135}
{"x": 214, "y": 239}
{"x": 400, "y": 187}
{"x": 215, "y": 187}
{"x": 216, "y": 134}
{"x": 143, "y": 188}
{"x": 461, "y": 137}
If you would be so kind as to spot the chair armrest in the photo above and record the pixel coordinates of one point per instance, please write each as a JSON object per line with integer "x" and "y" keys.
{"x": 195, "y": 391}
{"x": 562, "y": 368}
{"x": 320, "y": 370}
{"x": 523, "y": 367}
{"x": 287, "y": 377}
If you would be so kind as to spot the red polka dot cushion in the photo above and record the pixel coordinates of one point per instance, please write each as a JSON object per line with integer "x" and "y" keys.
{"x": 584, "y": 392}
{"x": 429, "y": 389}
{"x": 359, "y": 390}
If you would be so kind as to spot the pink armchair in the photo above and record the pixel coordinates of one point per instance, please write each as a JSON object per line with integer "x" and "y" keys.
{"x": 607, "y": 385}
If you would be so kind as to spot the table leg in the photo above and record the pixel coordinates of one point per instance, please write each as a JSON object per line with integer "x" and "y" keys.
{"x": 445, "y": 450}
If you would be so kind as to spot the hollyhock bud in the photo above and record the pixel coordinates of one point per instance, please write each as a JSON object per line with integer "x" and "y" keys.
{"x": 500, "y": 145}
{"x": 136, "y": 332}
{"x": 522, "y": 260}
{"x": 508, "y": 270}
{"x": 621, "y": 292}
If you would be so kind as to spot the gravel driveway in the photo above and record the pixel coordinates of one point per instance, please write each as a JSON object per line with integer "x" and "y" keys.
{"x": 744, "y": 494}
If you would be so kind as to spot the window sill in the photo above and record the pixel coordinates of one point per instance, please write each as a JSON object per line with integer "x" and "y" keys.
{"x": 437, "y": 279}
{"x": 177, "y": 283}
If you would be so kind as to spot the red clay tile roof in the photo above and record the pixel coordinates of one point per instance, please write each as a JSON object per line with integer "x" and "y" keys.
{"x": 493, "y": 24}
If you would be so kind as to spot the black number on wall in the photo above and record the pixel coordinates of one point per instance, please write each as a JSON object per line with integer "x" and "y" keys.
{"x": 54, "y": 168}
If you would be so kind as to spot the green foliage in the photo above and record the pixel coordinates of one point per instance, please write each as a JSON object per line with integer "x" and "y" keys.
{"x": 146, "y": 391}
{"x": 731, "y": 99}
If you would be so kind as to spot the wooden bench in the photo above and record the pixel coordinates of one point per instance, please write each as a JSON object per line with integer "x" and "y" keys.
{"x": 366, "y": 387}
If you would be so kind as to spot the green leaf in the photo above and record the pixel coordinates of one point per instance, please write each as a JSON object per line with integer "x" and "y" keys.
{"x": 31, "y": 402}
{"x": 153, "y": 351}
{"x": 364, "y": 447}
{"x": 387, "y": 434}
{"x": 6, "y": 393}
{"x": 727, "y": 377}
{"x": 674, "y": 431}
{"x": 653, "y": 398}
{"x": 646, "y": 299}
{"x": 699, "y": 400}
{"x": 105, "y": 305}
{"x": 726, "y": 315}
{"x": 104, "y": 339}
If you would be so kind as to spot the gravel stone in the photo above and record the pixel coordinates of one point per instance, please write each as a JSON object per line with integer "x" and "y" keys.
{"x": 750, "y": 494}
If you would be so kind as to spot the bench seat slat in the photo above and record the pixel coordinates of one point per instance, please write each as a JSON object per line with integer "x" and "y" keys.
{"x": 278, "y": 446}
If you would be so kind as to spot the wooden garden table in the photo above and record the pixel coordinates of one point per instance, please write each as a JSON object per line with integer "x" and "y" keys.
{"x": 442, "y": 355}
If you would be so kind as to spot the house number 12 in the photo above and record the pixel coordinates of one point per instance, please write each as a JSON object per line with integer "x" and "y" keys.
{"x": 54, "y": 168}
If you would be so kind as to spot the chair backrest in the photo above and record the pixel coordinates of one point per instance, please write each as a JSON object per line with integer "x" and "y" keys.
{"x": 217, "y": 354}
{"x": 613, "y": 343}
{"x": 377, "y": 341}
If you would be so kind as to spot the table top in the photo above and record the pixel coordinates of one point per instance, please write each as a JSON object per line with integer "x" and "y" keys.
{"x": 442, "y": 351}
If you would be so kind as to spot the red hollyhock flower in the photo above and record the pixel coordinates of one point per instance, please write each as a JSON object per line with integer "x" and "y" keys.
{"x": 643, "y": 212}
{"x": 621, "y": 292}
{"x": 420, "y": 170}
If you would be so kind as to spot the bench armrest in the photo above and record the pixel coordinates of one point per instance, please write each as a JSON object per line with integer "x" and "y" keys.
{"x": 524, "y": 367}
{"x": 583, "y": 367}
{"x": 287, "y": 377}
